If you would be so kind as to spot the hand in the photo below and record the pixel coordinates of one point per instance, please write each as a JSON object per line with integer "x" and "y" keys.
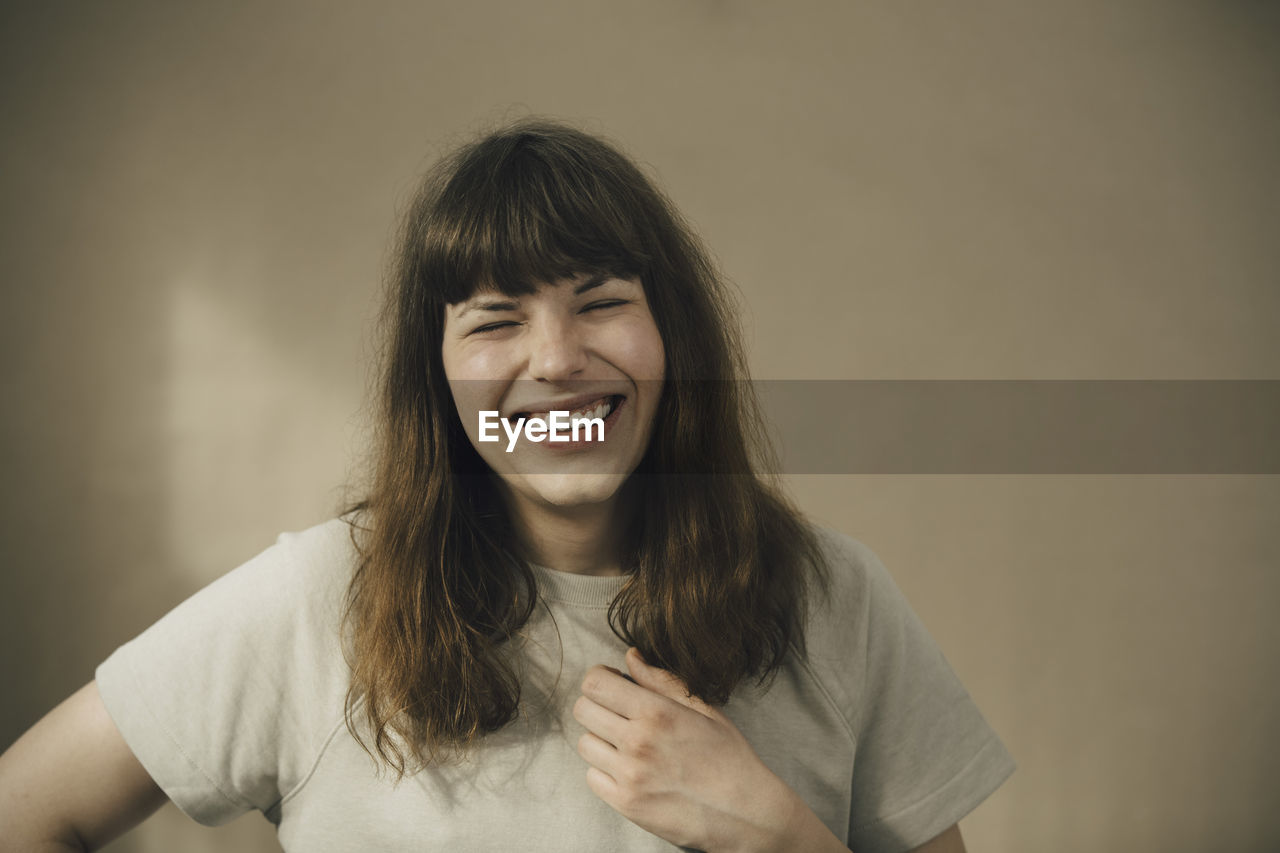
{"x": 675, "y": 766}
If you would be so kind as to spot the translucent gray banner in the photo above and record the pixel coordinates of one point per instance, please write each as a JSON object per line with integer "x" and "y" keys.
{"x": 1025, "y": 427}
{"x": 906, "y": 426}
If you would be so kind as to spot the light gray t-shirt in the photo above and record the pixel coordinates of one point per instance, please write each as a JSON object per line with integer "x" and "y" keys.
{"x": 234, "y": 701}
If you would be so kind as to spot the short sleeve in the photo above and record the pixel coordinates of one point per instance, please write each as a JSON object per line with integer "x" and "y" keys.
{"x": 925, "y": 756}
{"x": 226, "y": 700}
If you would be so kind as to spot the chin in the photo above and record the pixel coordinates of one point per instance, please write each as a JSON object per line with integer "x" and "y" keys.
{"x": 566, "y": 491}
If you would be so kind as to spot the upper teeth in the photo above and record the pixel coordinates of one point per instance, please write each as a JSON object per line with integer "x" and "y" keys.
{"x": 600, "y": 409}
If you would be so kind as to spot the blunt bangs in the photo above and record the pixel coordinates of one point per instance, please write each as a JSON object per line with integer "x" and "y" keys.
{"x": 536, "y": 204}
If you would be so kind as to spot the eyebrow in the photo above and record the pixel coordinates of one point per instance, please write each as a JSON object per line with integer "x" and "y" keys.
{"x": 591, "y": 283}
{"x": 507, "y": 305}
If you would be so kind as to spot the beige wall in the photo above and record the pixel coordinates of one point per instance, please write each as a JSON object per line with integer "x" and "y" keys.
{"x": 196, "y": 210}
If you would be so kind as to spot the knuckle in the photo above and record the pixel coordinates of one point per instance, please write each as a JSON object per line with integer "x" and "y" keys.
{"x": 627, "y": 800}
{"x": 637, "y": 742}
{"x": 662, "y": 718}
{"x": 592, "y": 682}
{"x": 636, "y": 778}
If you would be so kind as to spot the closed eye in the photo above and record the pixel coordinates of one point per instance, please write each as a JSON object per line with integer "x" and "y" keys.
{"x": 607, "y": 303}
{"x": 493, "y": 327}
{"x": 594, "y": 306}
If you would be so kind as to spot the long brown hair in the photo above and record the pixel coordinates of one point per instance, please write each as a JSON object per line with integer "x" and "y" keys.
{"x": 718, "y": 561}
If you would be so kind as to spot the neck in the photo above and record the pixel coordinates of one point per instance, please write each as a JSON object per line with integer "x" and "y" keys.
{"x": 583, "y": 540}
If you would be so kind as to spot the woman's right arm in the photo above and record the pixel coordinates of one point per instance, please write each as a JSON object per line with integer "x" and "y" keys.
{"x": 71, "y": 782}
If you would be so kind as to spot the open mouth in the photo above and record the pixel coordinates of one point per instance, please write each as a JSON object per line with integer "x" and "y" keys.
{"x": 604, "y": 408}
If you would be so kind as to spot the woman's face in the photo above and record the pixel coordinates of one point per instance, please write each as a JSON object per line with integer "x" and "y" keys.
{"x": 587, "y": 345}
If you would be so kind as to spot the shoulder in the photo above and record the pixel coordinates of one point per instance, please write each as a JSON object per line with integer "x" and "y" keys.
{"x": 326, "y": 551}
{"x": 857, "y": 619}
{"x": 850, "y": 576}
{"x": 303, "y": 575}
{"x": 332, "y": 539}
{"x": 293, "y": 589}
{"x": 320, "y": 558}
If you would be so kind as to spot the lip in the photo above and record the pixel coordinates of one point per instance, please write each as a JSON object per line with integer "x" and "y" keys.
{"x": 582, "y": 444}
{"x": 542, "y": 408}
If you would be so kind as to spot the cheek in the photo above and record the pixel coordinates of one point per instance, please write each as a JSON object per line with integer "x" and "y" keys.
{"x": 463, "y": 362}
{"x": 475, "y": 376}
{"x": 645, "y": 355}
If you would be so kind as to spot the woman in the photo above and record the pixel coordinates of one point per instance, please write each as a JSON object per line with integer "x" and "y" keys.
{"x": 625, "y": 641}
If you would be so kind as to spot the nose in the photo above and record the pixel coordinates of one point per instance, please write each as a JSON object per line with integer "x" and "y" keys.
{"x": 556, "y": 351}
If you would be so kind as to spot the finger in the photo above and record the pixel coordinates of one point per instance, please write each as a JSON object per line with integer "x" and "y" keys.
{"x": 599, "y": 720}
{"x": 600, "y": 754}
{"x": 617, "y": 671}
{"x": 603, "y": 786}
{"x": 668, "y": 684}
{"x": 658, "y": 680}
{"x": 613, "y": 690}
